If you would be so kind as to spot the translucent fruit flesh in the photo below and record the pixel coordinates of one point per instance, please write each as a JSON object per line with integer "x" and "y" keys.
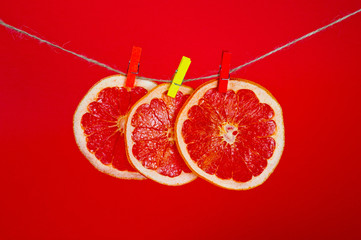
{"x": 153, "y": 135}
{"x": 230, "y": 134}
{"x": 104, "y": 124}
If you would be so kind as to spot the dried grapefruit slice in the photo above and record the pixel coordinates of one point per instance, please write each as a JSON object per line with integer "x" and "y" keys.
{"x": 150, "y": 140}
{"x": 233, "y": 139}
{"x": 99, "y": 123}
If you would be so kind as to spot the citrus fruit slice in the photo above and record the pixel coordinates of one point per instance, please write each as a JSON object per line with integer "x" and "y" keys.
{"x": 233, "y": 139}
{"x": 150, "y": 140}
{"x": 99, "y": 123}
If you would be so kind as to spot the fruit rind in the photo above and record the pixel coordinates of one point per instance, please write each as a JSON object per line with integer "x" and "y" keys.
{"x": 111, "y": 81}
{"x": 264, "y": 96}
{"x": 184, "y": 177}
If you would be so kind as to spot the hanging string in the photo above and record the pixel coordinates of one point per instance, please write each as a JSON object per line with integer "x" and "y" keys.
{"x": 90, "y": 60}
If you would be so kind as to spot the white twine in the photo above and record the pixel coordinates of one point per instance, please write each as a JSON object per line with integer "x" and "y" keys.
{"x": 187, "y": 80}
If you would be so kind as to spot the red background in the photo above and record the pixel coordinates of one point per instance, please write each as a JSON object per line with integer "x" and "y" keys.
{"x": 50, "y": 191}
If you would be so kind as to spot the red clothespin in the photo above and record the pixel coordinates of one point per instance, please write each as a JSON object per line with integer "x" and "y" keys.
{"x": 224, "y": 74}
{"x": 133, "y": 67}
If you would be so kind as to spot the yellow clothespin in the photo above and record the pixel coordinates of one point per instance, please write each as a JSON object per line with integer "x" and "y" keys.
{"x": 179, "y": 76}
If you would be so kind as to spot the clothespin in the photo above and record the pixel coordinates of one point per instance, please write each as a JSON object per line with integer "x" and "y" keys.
{"x": 224, "y": 74}
{"x": 179, "y": 76}
{"x": 133, "y": 67}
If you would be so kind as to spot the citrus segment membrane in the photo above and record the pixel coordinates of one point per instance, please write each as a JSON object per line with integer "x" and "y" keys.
{"x": 228, "y": 134}
{"x": 104, "y": 124}
{"x": 233, "y": 139}
{"x": 99, "y": 124}
{"x": 150, "y": 137}
{"x": 153, "y": 136}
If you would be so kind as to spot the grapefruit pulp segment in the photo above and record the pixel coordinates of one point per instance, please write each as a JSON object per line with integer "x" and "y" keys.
{"x": 150, "y": 137}
{"x": 99, "y": 124}
{"x": 233, "y": 139}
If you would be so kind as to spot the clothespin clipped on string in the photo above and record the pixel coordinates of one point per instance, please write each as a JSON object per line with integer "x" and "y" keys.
{"x": 224, "y": 74}
{"x": 133, "y": 67}
{"x": 179, "y": 76}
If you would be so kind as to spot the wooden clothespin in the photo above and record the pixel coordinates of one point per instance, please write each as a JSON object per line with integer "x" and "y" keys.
{"x": 224, "y": 74}
{"x": 133, "y": 67}
{"x": 179, "y": 76}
